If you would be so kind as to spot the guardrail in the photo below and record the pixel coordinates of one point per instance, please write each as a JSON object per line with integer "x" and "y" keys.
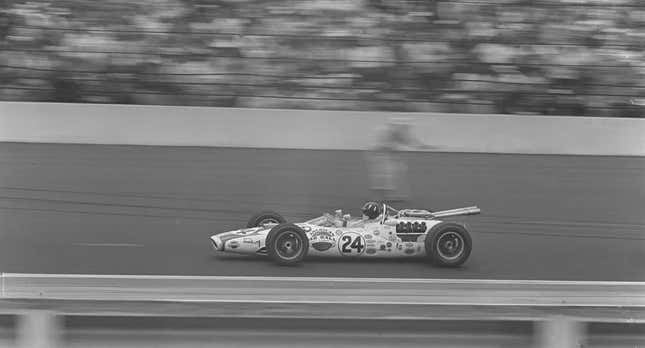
{"x": 556, "y": 312}
{"x": 314, "y": 129}
{"x": 322, "y": 290}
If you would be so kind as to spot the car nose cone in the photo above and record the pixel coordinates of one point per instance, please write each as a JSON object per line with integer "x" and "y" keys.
{"x": 216, "y": 243}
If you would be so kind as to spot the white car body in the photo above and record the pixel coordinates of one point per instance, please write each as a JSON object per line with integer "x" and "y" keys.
{"x": 383, "y": 237}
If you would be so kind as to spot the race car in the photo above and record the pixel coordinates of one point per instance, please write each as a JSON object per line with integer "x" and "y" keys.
{"x": 382, "y": 232}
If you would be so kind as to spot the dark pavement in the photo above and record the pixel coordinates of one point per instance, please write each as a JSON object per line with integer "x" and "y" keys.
{"x": 150, "y": 210}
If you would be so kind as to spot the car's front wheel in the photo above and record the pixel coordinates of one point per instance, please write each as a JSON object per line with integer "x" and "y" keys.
{"x": 448, "y": 244}
{"x": 287, "y": 244}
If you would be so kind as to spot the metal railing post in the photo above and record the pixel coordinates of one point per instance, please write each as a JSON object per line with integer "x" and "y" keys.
{"x": 39, "y": 329}
{"x": 559, "y": 332}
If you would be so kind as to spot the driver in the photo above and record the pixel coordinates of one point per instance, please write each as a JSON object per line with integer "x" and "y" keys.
{"x": 371, "y": 211}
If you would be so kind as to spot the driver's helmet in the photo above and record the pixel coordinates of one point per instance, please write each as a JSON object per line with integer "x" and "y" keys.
{"x": 371, "y": 209}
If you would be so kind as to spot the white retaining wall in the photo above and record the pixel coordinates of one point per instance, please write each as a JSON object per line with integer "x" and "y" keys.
{"x": 313, "y": 129}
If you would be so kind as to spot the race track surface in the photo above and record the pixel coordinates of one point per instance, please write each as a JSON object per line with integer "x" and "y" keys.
{"x": 150, "y": 210}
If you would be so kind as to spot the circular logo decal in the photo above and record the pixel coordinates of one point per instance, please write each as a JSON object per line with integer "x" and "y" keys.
{"x": 351, "y": 244}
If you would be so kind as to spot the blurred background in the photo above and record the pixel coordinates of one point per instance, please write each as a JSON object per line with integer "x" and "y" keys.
{"x": 543, "y": 57}
{"x": 72, "y": 214}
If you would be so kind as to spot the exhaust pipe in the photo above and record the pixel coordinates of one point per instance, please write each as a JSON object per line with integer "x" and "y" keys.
{"x": 457, "y": 212}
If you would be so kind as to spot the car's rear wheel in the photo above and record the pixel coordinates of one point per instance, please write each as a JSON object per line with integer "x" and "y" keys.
{"x": 264, "y": 218}
{"x": 448, "y": 244}
{"x": 287, "y": 244}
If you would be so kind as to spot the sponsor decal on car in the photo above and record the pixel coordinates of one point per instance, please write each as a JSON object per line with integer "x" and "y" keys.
{"x": 233, "y": 244}
{"x": 322, "y": 240}
{"x": 392, "y": 238}
{"x": 377, "y": 232}
{"x": 247, "y": 230}
{"x": 409, "y": 251}
{"x": 248, "y": 241}
{"x": 399, "y": 246}
{"x": 382, "y": 248}
{"x": 226, "y": 236}
{"x": 370, "y": 251}
{"x": 389, "y": 244}
{"x": 306, "y": 228}
{"x": 370, "y": 243}
{"x": 322, "y": 246}
{"x": 339, "y": 233}
{"x": 409, "y": 245}
{"x": 243, "y": 233}
{"x": 368, "y": 236}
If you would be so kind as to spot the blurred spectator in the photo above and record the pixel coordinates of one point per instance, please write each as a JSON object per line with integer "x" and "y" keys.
{"x": 500, "y": 56}
{"x": 388, "y": 170}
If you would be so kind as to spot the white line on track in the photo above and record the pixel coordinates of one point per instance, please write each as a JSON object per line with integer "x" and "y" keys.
{"x": 324, "y": 279}
{"x": 515, "y": 303}
{"x": 117, "y": 245}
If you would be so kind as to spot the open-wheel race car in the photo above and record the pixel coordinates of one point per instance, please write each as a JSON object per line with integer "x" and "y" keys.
{"x": 382, "y": 232}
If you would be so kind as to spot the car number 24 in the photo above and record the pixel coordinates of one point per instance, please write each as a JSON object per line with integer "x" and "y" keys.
{"x": 351, "y": 243}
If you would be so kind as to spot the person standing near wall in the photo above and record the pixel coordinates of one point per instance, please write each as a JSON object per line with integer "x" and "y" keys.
{"x": 386, "y": 159}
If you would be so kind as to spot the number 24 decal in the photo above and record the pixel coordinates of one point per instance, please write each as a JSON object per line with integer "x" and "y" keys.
{"x": 350, "y": 244}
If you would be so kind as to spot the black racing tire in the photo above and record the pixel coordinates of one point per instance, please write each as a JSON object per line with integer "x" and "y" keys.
{"x": 264, "y": 217}
{"x": 448, "y": 244}
{"x": 287, "y": 244}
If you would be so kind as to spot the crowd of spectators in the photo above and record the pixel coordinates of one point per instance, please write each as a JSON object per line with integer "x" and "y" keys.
{"x": 551, "y": 57}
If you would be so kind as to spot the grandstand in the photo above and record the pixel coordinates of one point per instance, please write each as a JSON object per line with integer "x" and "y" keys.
{"x": 550, "y": 57}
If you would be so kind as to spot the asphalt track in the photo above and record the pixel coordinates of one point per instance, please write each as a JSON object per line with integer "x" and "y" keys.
{"x": 149, "y": 210}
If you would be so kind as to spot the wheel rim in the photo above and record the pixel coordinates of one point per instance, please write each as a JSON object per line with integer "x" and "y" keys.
{"x": 450, "y": 245}
{"x": 288, "y": 245}
{"x": 268, "y": 221}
